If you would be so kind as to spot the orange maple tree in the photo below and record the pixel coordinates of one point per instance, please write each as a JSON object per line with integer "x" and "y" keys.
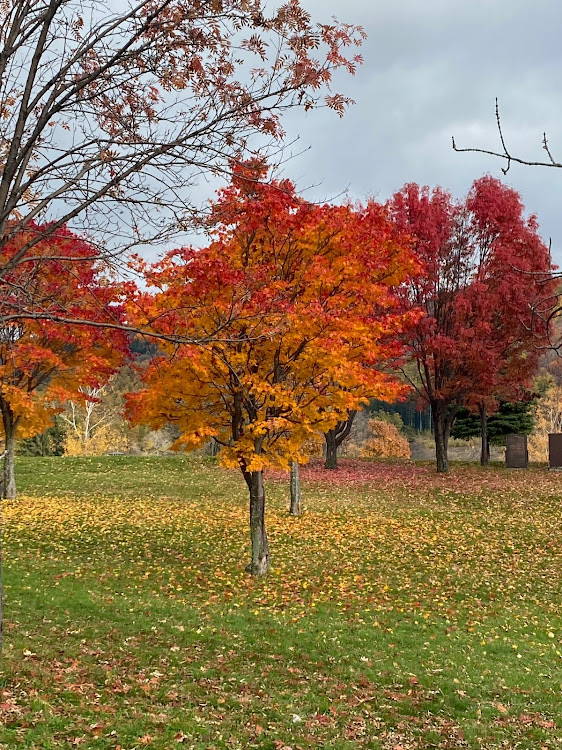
{"x": 386, "y": 441}
{"x": 297, "y": 303}
{"x": 44, "y": 362}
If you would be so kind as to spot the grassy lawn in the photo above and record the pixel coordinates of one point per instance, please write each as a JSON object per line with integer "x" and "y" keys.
{"x": 404, "y": 610}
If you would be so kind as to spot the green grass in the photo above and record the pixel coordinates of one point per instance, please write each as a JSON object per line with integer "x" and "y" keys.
{"x": 404, "y": 610}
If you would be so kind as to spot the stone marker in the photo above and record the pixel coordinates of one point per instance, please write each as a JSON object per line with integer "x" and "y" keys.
{"x": 516, "y": 454}
{"x": 555, "y": 450}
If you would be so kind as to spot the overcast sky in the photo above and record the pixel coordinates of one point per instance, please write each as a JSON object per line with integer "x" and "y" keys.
{"x": 432, "y": 70}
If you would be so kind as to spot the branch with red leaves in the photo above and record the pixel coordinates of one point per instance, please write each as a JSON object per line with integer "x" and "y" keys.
{"x": 109, "y": 116}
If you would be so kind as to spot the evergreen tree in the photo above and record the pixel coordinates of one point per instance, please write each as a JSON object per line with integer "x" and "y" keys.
{"x": 511, "y": 418}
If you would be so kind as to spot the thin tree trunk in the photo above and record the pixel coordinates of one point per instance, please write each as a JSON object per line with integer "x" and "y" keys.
{"x": 9, "y": 474}
{"x": 8, "y": 491}
{"x": 260, "y": 547}
{"x": 441, "y": 440}
{"x": 1, "y": 587}
{"x": 485, "y": 449}
{"x": 331, "y": 450}
{"x": 295, "y": 507}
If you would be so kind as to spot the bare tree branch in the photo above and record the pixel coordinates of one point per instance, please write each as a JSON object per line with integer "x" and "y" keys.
{"x": 506, "y": 155}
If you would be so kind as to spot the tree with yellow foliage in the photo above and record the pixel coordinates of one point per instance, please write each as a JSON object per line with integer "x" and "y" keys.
{"x": 296, "y": 302}
{"x": 547, "y": 415}
{"x": 386, "y": 441}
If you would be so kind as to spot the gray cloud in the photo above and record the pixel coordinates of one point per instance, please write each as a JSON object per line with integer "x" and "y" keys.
{"x": 432, "y": 70}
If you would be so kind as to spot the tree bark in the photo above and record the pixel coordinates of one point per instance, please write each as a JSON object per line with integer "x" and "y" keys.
{"x": 295, "y": 507}
{"x": 441, "y": 433}
{"x": 9, "y": 474}
{"x": 8, "y": 490}
{"x": 1, "y": 589}
{"x": 260, "y": 547}
{"x": 485, "y": 448}
{"x": 331, "y": 450}
{"x": 335, "y": 437}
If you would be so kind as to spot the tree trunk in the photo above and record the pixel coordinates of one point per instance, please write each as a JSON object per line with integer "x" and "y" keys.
{"x": 334, "y": 438}
{"x": 441, "y": 432}
{"x": 485, "y": 449}
{"x": 331, "y": 450}
{"x": 1, "y": 589}
{"x": 8, "y": 491}
{"x": 260, "y": 548}
{"x": 295, "y": 508}
{"x": 9, "y": 474}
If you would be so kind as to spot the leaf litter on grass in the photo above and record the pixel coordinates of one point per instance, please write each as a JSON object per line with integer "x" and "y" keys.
{"x": 403, "y": 612}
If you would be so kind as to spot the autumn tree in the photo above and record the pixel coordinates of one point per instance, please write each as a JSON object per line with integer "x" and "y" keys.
{"x": 88, "y": 424}
{"x": 385, "y": 441}
{"x": 43, "y": 363}
{"x": 509, "y": 298}
{"x": 110, "y": 113}
{"x": 547, "y": 418}
{"x": 485, "y": 269}
{"x": 303, "y": 297}
{"x": 96, "y": 424}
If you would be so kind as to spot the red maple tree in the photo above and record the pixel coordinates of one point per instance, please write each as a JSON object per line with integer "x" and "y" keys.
{"x": 486, "y": 268}
{"x": 44, "y": 361}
